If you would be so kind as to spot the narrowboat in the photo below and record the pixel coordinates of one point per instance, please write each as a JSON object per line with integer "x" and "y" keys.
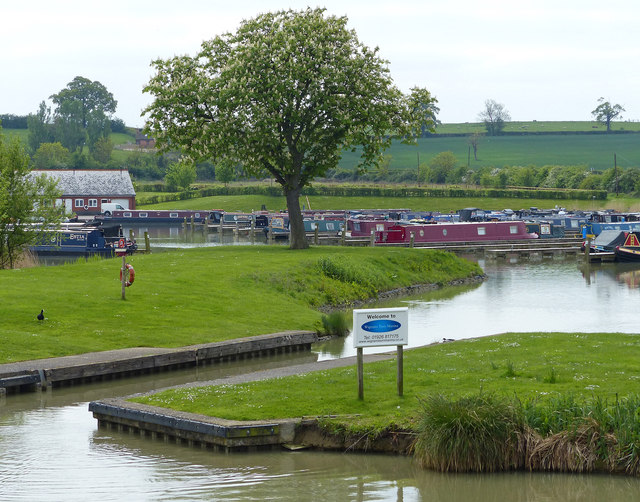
{"x": 77, "y": 242}
{"x": 363, "y": 228}
{"x": 629, "y": 251}
{"x": 606, "y": 242}
{"x": 279, "y": 226}
{"x": 455, "y": 232}
{"x": 545, "y": 230}
{"x": 596, "y": 228}
{"x": 161, "y": 216}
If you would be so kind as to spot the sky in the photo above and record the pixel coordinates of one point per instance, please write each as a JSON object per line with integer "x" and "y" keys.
{"x": 542, "y": 59}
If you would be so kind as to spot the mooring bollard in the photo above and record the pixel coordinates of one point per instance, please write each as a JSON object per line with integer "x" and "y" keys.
{"x": 147, "y": 245}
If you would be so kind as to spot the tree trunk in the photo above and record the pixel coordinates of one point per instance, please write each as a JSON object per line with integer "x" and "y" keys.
{"x": 297, "y": 236}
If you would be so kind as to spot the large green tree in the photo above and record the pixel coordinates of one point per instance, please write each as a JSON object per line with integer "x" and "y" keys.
{"x": 605, "y": 112}
{"x": 83, "y": 113}
{"x": 284, "y": 94}
{"x": 25, "y": 200}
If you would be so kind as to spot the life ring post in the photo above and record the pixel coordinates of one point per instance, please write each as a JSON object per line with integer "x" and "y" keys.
{"x": 123, "y": 279}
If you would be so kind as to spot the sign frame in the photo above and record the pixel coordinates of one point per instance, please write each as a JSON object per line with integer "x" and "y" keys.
{"x": 380, "y": 327}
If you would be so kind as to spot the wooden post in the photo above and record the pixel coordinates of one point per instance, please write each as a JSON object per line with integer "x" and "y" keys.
{"x": 123, "y": 272}
{"x": 221, "y": 226}
{"x": 236, "y": 233}
{"x": 587, "y": 249}
{"x": 400, "y": 370}
{"x": 413, "y": 236}
{"x": 270, "y": 231}
{"x": 315, "y": 234}
{"x": 253, "y": 227}
{"x": 373, "y": 237}
{"x": 343, "y": 237}
{"x": 360, "y": 358}
{"x": 147, "y": 245}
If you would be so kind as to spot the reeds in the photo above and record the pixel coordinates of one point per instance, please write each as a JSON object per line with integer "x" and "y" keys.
{"x": 478, "y": 433}
{"x": 336, "y": 323}
{"x": 483, "y": 433}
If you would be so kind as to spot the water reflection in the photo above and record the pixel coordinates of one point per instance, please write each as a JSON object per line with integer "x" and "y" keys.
{"x": 558, "y": 295}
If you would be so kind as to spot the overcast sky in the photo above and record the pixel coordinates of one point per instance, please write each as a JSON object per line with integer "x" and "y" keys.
{"x": 542, "y": 59}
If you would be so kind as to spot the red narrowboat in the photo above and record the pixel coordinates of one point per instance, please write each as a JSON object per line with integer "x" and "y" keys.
{"x": 456, "y": 232}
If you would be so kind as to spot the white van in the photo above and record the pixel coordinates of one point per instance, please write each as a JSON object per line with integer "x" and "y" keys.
{"x": 109, "y": 207}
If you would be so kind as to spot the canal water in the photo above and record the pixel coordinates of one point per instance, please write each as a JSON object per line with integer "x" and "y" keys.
{"x": 51, "y": 448}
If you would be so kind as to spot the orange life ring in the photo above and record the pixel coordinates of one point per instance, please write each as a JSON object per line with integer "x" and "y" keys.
{"x": 132, "y": 274}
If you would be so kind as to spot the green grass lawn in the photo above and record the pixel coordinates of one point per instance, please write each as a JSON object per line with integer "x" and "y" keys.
{"x": 442, "y": 204}
{"x": 535, "y": 366}
{"x": 198, "y": 296}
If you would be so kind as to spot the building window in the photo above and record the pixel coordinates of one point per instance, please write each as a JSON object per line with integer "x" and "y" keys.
{"x": 79, "y": 203}
{"x": 93, "y": 202}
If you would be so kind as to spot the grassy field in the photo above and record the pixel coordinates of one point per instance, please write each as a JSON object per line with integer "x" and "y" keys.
{"x": 443, "y": 204}
{"x": 531, "y": 366}
{"x": 593, "y": 151}
{"x": 538, "y": 127}
{"x": 198, "y": 296}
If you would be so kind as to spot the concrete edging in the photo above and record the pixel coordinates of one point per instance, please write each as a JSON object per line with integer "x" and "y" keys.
{"x": 85, "y": 368}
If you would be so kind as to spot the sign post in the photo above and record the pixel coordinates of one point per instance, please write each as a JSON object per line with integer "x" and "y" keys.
{"x": 380, "y": 327}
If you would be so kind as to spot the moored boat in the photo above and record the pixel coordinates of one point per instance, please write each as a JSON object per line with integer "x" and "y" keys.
{"x": 161, "y": 216}
{"x": 77, "y": 242}
{"x": 629, "y": 251}
{"x": 455, "y": 232}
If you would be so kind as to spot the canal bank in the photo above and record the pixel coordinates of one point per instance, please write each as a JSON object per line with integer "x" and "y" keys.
{"x": 28, "y": 376}
{"x": 219, "y": 434}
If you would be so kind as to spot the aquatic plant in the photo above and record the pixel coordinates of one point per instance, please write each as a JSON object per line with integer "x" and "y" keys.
{"x": 336, "y": 323}
{"x": 479, "y": 433}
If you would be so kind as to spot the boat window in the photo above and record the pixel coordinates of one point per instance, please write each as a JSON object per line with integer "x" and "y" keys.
{"x": 513, "y": 229}
{"x": 173, "y": 215}
{"x": 142, "y": 215}
{"x": 444, "y": 232}
{"x": 482, "y": 231}
{"x": 329, "y": 226}
{"x": 126, "y": 214}
{"x": 380, "y": 227}
{"x": 197, "y": 215}
{"x": 421, "y": 233}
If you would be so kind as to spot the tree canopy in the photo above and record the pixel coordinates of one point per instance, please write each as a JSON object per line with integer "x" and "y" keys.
{"x": 284, "y": 94}
{"x": 82, "y": 117}
{"x": 24, "y": 199}
{"x": 494, "y": 117}
{"x": 605, "y": 112}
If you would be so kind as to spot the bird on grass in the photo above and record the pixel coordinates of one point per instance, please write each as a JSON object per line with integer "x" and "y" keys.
{"x": 41, "y": 315}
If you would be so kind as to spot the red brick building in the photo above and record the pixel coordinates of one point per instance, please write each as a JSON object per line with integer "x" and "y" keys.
{"x": 84, "y": 192}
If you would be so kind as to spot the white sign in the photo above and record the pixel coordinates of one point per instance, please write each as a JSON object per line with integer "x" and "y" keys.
{"x": 377, "y": 327}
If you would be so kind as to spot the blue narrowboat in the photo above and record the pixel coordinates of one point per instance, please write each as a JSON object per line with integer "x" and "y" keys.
{"x": 75, "y": 242}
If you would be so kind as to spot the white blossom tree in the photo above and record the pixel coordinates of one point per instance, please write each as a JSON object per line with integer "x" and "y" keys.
{"x": 286, "y": 93}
